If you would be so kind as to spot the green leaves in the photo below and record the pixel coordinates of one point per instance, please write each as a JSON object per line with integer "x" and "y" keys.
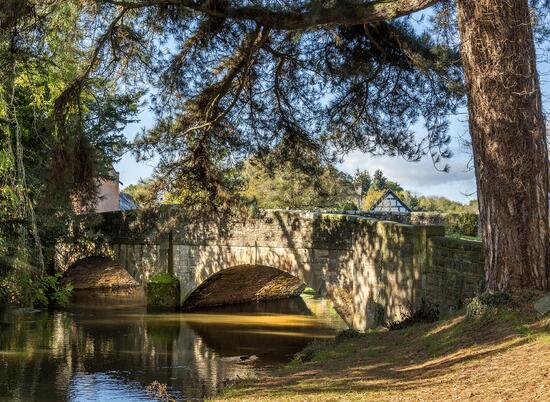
{"x": 50, "y": 290}
{"x": 289, "y": 187}
{"x": 50, "y": 162}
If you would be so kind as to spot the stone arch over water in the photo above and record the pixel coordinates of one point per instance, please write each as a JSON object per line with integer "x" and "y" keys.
{"x": 373, "y": 271}
{"x": 244, "y": 283}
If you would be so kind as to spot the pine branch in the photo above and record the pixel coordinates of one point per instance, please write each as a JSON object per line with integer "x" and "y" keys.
{"x": 308, "y": 16}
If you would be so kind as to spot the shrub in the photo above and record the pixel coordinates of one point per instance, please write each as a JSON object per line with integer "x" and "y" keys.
{"x": 426, "y": 313}
{"x": 11, "y": 291}
{"x": 486, "y": 304}
{"x": 21, "y": 284}
{"x": 16, "y": 281}
{"x": 465, "y": 223}
{"x": 49, "y": 290}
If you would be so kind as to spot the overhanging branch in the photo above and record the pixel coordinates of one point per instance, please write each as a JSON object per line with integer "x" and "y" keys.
{"x": 307, "y": 16}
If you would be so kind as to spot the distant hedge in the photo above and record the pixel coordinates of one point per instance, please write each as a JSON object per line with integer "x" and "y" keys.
{"x": 464, "y": 223}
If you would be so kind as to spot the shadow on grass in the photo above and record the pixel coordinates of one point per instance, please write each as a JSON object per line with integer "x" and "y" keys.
{"x": 402, "y": 360}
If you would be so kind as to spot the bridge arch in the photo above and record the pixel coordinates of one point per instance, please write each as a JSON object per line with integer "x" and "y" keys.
{"x": 373, "y": 271}
{"x": 244, "y": 283}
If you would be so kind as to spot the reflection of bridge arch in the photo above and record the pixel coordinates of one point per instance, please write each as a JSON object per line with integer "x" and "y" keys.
{"x": 372, "y": 270}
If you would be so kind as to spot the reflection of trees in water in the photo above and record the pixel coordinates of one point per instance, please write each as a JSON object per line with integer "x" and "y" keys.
{"x": 41, "y": 353}
{"x": 52, "y": 348}
{"x": 47, "y": 350}
{"x": 154, "y": 348}
{"x": 32, "y": 356}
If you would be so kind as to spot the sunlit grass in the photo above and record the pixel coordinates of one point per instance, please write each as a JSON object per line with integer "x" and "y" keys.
{"x": 461, "y": 356}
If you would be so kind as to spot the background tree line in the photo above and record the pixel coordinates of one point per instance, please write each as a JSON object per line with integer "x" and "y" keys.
{"x": 286, "y": 187}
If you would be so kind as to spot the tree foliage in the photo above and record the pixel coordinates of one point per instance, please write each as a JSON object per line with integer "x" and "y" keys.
{"x": 283, "y": 82}
{"x": 53, "y": 147}
{"x": 288, "y": 187}
{"x": 443, "y": 204}
{"x": 231, "y": 85}
{"x": 141, "y": 193}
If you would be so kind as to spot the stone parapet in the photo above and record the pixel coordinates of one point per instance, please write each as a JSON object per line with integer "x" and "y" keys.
{"x": 455, "y": 271}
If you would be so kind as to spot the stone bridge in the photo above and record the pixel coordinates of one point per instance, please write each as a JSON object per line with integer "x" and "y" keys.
{"x": 373, "y": 271}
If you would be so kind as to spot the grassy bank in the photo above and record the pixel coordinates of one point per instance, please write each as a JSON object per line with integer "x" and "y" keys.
{"x": 464, "y": 237}
{"x": 503, "y": 354}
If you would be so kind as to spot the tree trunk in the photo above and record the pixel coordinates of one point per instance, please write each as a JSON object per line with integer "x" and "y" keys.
{"x": 509, "y": 141}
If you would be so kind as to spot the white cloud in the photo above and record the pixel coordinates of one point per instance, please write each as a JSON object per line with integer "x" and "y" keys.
{"x": 421, "y": 177}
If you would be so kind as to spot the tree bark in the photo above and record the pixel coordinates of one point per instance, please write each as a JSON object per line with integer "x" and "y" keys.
{"x": 508, "y": 133}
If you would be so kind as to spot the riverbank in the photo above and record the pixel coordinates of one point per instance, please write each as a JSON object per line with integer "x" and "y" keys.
{"x": 500, "y": 355}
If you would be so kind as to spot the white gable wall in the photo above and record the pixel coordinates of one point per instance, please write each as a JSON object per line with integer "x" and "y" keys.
{"x": 389, "y": 204}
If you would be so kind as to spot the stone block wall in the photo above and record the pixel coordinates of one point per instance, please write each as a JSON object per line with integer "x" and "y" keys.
{"x": 454, "y": 272}
{"x": 373, "y": 271}
{"x": 465, "y": 223}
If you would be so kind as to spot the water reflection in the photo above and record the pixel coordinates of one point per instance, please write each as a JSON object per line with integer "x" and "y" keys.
{"x": 108, "y": 347}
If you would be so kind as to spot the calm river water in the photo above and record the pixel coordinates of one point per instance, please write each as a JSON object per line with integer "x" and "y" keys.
{"x": 107, "y": 347}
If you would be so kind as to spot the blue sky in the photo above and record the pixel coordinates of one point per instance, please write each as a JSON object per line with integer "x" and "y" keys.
{"x": 419, "y": 177}
{"x": 129, "y": 169}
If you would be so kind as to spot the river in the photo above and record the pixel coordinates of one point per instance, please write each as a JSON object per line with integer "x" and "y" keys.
{"x": 108, "y": 347}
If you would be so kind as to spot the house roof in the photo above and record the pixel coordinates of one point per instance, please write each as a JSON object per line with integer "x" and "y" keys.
{"x": 387, "y": 193}
{"x": 126, "y": 202}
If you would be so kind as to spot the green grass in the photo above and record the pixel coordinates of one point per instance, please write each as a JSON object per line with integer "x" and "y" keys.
{"x": 239, "y": 384}
{"x": 463, "y": 237}
{"x": 530, "y": 334}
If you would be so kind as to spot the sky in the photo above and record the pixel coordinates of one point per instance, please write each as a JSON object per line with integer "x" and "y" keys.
{"x": 420, "y": 177}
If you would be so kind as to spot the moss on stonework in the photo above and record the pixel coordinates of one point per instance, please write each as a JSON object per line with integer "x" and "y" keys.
{"x": 334, "y": 217}
{"x": 309, "y": 291}
{"x": 163, "y": 277}
{"x": 328, "y": 222}
{"x": 163, "y": 290}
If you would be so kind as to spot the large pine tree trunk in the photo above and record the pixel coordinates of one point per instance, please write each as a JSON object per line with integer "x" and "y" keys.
{"x": 509, "y": 141}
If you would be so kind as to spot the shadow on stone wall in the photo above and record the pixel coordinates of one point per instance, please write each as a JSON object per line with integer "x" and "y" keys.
{"x": 242, "y": 284}
{"x": 374, "y": 271}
